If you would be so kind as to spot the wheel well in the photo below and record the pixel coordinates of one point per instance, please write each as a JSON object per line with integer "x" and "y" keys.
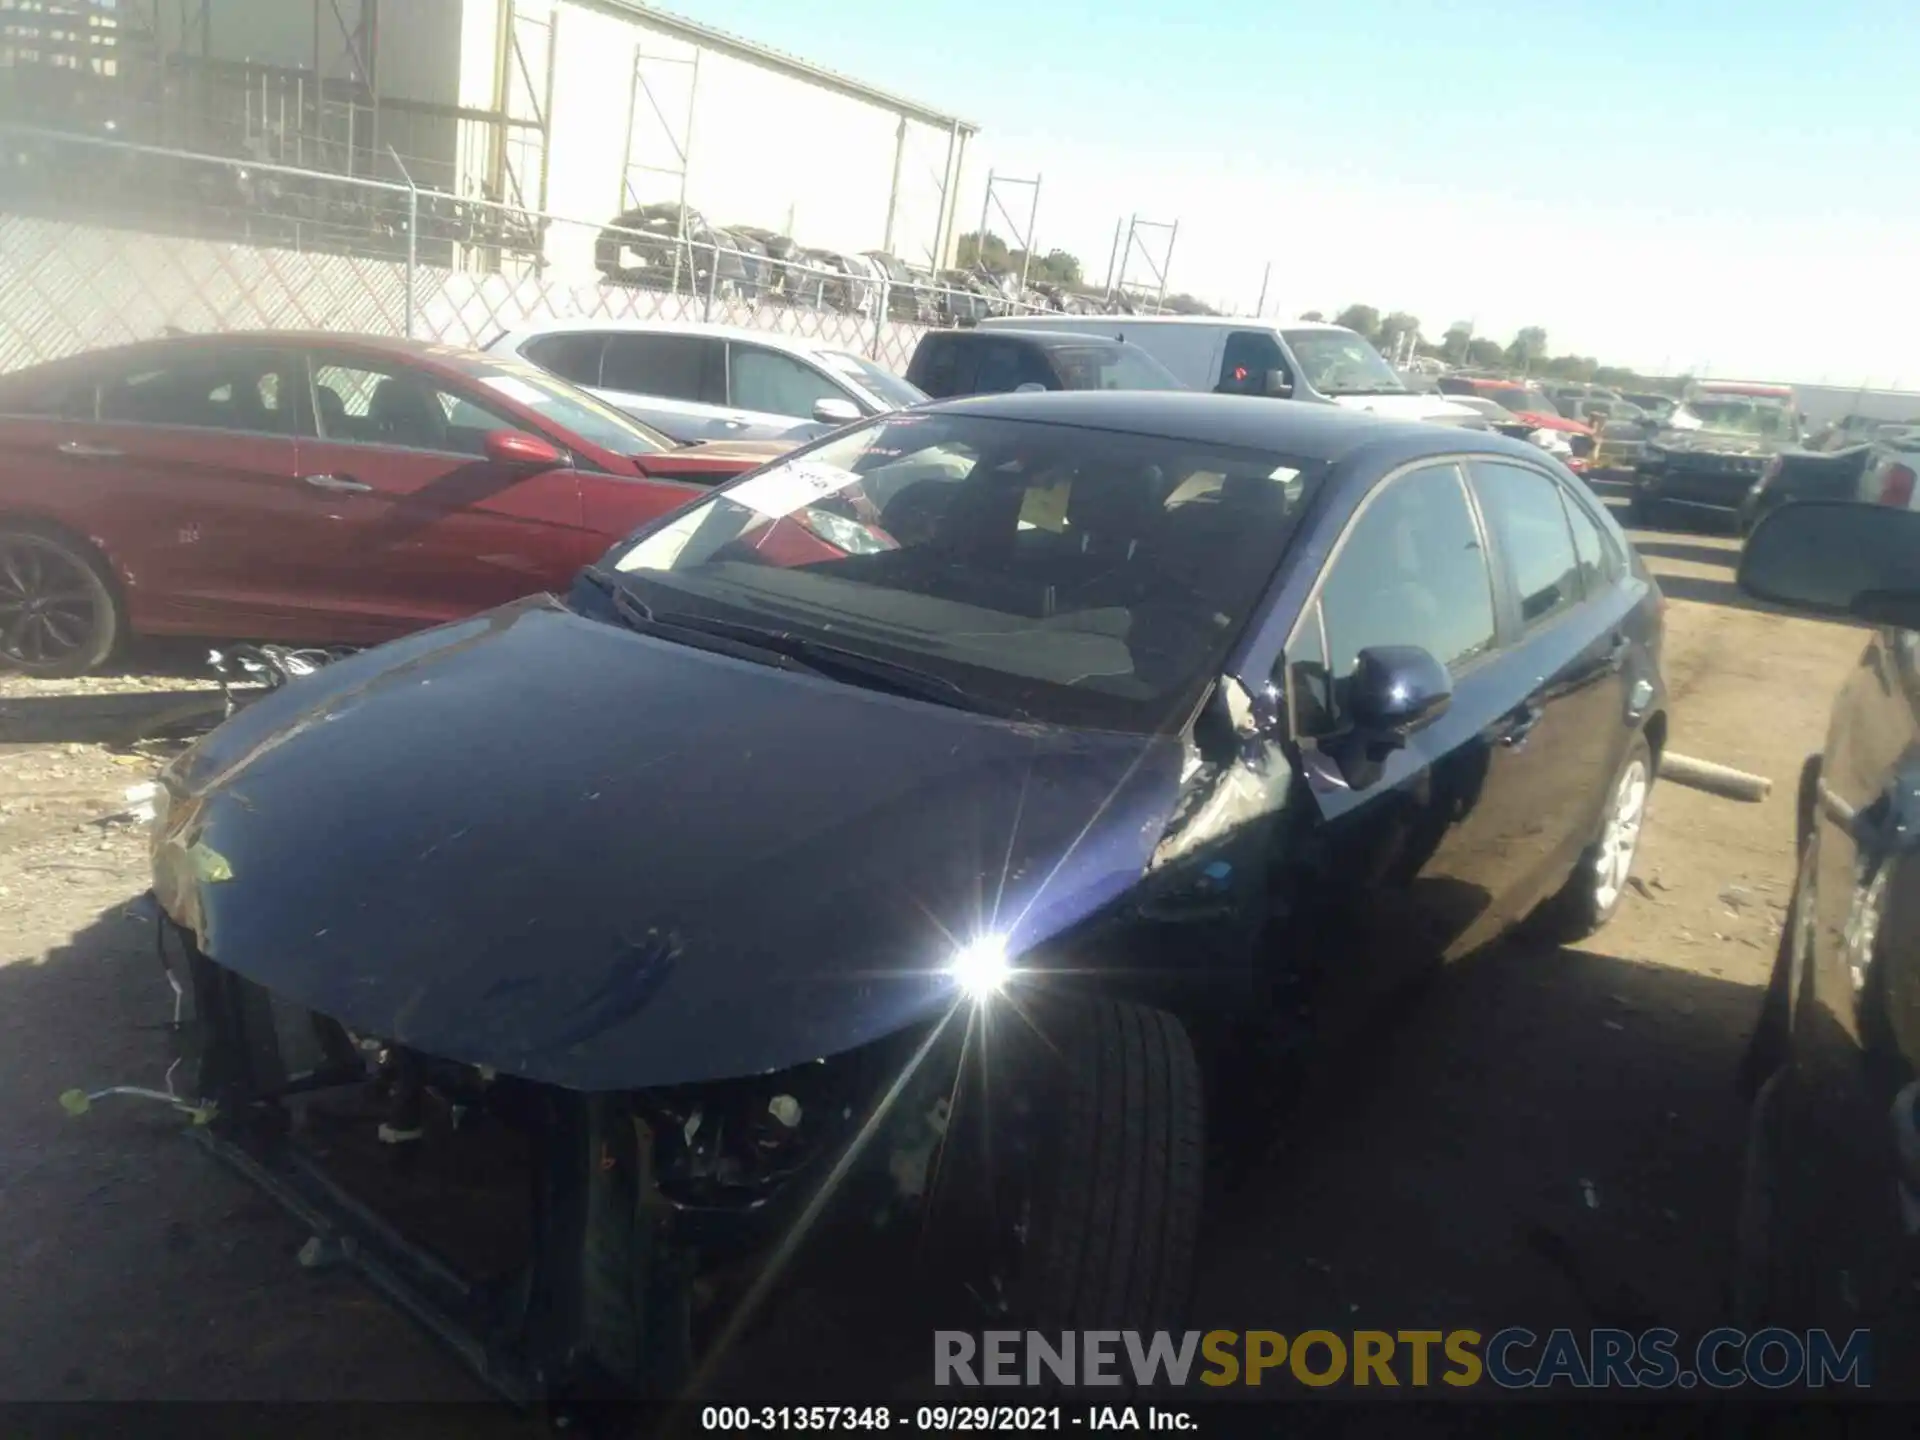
{"x": 1656, "y": 732}
{"x": 54, "y": 529}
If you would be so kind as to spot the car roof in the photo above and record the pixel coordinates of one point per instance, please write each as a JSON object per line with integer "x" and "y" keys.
{"x": 1234, "y": 322}
{"x": 1302, "y": 430}
{"x": 772, "y": 339}
{"x": 1043, "y": 337}
{"x": 425, "y": 352}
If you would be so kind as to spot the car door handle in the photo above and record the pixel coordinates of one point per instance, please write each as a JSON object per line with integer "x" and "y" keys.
{"x": 337, "y": 482}
{"x": 1519, "y": 725}
{"x": 84, "y": 451}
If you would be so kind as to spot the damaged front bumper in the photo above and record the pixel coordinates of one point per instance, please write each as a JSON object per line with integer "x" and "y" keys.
{"x": 640, "y": 1224}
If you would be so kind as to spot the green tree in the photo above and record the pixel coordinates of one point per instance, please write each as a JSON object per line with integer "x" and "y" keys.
{"x": 1528, "y": 347}
{"x": 1485, "y": 353}
{"x": 991, "y": 253}
{"x": 1453, "y": 345}
{"x": 1188, "y": 305}
{"x": 1314, "y": 315}
{"x": 1061, "y": 268}
{"x": 1570, "y": 367}
{"x": 1396, "y": 325}
{"x": 1363, "y": 319}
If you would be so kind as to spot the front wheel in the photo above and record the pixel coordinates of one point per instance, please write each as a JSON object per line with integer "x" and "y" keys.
{"x": 1076, "y": 1179}
{"x": 1643, "y": 512}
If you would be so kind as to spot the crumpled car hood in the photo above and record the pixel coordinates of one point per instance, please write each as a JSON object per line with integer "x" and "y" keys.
{"x": 546, "y": 844}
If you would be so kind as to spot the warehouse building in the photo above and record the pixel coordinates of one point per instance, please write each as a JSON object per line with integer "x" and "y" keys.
{"x": 575, "y": 108}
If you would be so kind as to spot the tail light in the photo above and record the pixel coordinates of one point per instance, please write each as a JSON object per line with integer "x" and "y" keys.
{"x": 1896, "y": 487}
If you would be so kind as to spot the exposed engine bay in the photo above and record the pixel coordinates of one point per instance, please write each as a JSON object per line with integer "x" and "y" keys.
{"x": 467, "y": 1196}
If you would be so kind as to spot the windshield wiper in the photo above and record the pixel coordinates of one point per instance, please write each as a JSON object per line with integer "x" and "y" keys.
{"x": 841, "y": 663}
{"x": 797, "y": 652}
{"x": 637, "y": 614}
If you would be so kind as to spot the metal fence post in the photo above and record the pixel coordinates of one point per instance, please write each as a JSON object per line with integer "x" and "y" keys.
{"x": 713, "y": 283}
{"x": 881, "y": 309}
{"x": 413, "y": 233}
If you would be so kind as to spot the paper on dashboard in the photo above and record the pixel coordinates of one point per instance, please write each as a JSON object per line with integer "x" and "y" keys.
{"x": 791, "y": 487}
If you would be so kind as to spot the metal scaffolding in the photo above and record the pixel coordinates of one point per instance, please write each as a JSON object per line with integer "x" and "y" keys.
{"x": 1136, "y": 247}
{"x": 675, "y": 158}
{"x": 993, "y": 202}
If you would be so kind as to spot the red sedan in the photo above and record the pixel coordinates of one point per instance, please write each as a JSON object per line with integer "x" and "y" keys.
{"x": 306, "y": 488}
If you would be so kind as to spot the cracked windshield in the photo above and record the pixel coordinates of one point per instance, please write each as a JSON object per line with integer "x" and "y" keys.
{"x": 752, "y": 715}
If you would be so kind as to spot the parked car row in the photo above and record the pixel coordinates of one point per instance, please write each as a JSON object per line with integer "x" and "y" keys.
{"x": 309, "y": 488}
{"x": 172, "y": 487}
{"x": 670, "y": 247}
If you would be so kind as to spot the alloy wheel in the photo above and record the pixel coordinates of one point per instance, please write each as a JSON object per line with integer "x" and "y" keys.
{"x": 50, "y": 604}
{"x": 1622, "y": 835}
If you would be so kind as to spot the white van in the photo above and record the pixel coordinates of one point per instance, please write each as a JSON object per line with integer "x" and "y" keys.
{"x": 1303, "y": 360}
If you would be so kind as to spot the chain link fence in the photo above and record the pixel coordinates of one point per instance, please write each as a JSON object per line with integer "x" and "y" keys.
{"x": 103, "y": 242}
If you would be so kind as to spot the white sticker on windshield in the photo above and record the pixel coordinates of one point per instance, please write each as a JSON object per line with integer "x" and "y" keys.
{"x": 787, "y": 488}
{"x": 514, "y": 388}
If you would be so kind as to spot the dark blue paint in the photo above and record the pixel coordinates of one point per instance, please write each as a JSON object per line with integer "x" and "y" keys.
{"x": 542, "y": 843}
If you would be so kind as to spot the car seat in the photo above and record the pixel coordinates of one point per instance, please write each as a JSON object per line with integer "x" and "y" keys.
{"x": 404, "y": 413}
{"x": 1111, "y": 512}
{"x": 334, "y": 423}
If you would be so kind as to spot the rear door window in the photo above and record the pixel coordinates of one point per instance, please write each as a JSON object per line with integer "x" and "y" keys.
{"x": 574, "y": 357}
{"x": 1601, "y": 563}
{"x": 673, "y": 367}
{"x": 245, "y": 390}
{"x": 71, "y": 398}
{"x": 1529, "y": 525}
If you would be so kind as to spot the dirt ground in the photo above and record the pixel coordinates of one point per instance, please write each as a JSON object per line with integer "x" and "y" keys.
{"x": 1548, "y": 1137}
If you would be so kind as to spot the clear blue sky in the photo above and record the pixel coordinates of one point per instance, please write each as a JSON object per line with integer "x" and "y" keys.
{"x": 1735, "y": 185}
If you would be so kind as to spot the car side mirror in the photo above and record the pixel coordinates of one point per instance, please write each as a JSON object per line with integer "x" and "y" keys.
{"x": 1277, "y": 385}
{"x": 1394, "y": 691}
{"x": 832, "y": 410}
{"x": 1842, "y": 559}
{"x": 523, "y": 451}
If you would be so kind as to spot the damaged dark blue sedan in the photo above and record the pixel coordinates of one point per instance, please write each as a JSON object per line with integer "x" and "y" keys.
{"x": 912, "y": 829}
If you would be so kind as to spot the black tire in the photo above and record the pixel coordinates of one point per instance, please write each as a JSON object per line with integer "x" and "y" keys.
{"x": 60, "y": 612}
{"x": 1588, "y": 901}
{"x": 1117, "y": 1217}
{"x": 1105, "y": 1178}
{"x": 1643, "y": 513}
